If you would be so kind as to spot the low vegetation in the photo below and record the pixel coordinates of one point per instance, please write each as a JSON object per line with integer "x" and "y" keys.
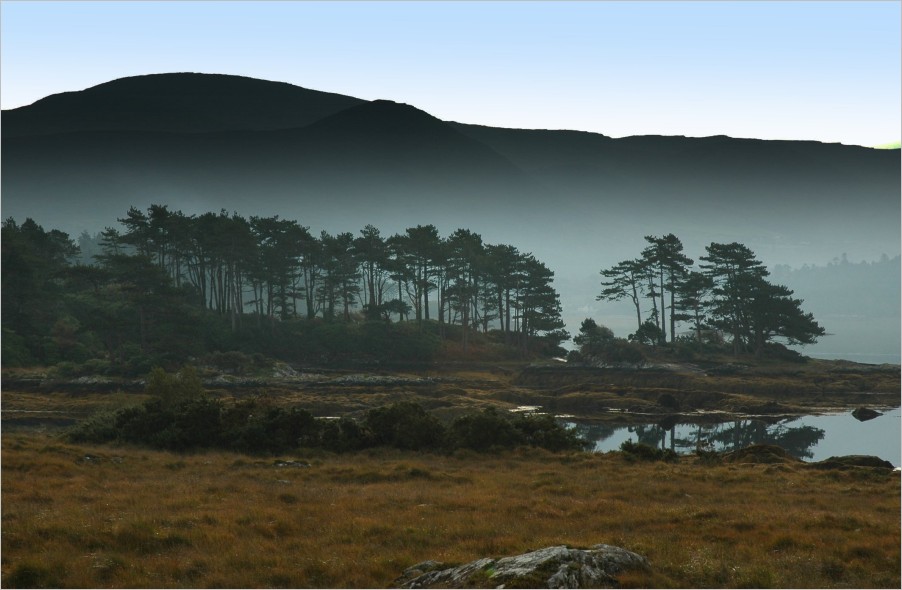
{"x": 179, "y": 416}
{"x": 82, "y": 515}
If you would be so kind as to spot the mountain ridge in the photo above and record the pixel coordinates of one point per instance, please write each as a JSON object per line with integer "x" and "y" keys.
{"x": 180, "y": 102}
{"x": 190, "y": 83}
{"x": 356, "y": 151}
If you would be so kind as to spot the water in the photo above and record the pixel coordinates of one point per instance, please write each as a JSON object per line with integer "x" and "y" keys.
{"x": 811, "y": 438}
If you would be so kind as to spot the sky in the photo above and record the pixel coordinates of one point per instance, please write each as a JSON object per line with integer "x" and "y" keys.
{"x": 825, "y": 71}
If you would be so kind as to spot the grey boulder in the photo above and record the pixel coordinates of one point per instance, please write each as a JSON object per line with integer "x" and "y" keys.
{"x": 552, "y": 567}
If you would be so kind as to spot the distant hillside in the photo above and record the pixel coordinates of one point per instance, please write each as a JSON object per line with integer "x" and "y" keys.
{"x": 183, "y": 103}
{"x": 373, "y": 156}
{"x": 207, "y": 141}
{"x": 701, "y": 171}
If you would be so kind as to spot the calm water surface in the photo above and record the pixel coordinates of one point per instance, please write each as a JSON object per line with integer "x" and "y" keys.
{"x": 811, "y": 438}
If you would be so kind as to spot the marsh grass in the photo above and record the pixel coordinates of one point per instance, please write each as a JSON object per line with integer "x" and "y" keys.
{"x": 93, "y": 516}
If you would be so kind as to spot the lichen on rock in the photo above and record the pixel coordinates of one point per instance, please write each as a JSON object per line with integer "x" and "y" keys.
{"x": 551, "y": 567}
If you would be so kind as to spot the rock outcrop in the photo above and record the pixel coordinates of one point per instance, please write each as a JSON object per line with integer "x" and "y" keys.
{"x": 863, "y": 414}
{"x": 851, "y": 461}
{"x": 551, "y": 567}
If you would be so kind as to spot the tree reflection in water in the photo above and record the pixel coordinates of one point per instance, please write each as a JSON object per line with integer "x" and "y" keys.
{"x": 798, "y": 441}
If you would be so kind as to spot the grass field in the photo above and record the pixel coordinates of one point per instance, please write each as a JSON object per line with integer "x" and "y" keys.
{"x": 86, "y": 516}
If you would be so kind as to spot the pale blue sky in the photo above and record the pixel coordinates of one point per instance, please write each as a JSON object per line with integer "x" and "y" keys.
{"x": 827, "y": 71}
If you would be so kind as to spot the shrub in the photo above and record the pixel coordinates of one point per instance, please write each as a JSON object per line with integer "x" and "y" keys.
{"x": 138, "y": 365}
{"x": 99, "y": 428}
{"x": 405, "y": 425}
{"x": 287, "y": 429}
{"x": 647, "y": 453}
{"x": 775, "y": 350}
{"x": 233, "y": 424}
{"x": 625, "y": 352}
{"x": 173, "y": 389}
{"x": 254, "y": 427}
{"x": 648, "y": 333}
{"x": 251, "y": 426}
{"x": 542, "y": 430}
{"x": 483, "y": 431}
{"x": 260, "y": 361}
{"x": 233, "y": 361}
{"x": 668, "y": 400}
{"x": 142, "y": 424}
{"x": 597, "y": 343}
{"x": 575, "y": 357}
{"x": 32, "y": 575}
{"x": 65, "y": 369}
{"x": 397, "y": 343}
{"x": 196, "y": 423}
{"x": 343, "y": 435}
{"x": 593, "y": 339}
{"x": 97, "y": 367}
{"x": 15, "y": 352}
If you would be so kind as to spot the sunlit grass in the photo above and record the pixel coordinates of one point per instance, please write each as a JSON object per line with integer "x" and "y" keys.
{"x": 83, "y": 516}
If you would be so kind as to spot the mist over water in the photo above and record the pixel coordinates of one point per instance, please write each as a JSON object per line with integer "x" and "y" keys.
{"x": 576, "y": 244}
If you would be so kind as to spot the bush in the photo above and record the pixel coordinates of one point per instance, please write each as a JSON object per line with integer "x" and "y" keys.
{"x": 597, "y": 343}
{"x": 251, "y": 426}
{"x": 575, "y": 357}
{"x": 233, "y": 362}
{"x": 15, "y": 353}
{"x": 139, "y": 364}
{"x": 65, "y": 369}
{"x": 542, "y": 430}
{"x": 174, "y": 389}
{"x": 622, "y": 351}
{"x": 142, "y": 424}
{"x": 255, "y": 427}
{"x": 343, "y": 435}
{"x": 30, "y": 574}
{"x": 287, "y": 429}
{"x": 405, "y": 425}
{"x": 593, "y": 339}
{"x": 99, "y": 428}
{"x": 397, "y": 343}
{"x": 775, "y": 350}
{"x": 97, "y": 367}
{"x": 648, "y": 333}
{"x": 491, "y": 429}
{"x": 484, "y": 431}
{"x": 196, "y": 423}
{"x": 647, "y": 453}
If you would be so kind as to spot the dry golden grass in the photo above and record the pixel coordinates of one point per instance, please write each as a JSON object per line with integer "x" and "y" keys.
{"x": 83, "y": 516}
{"x": 67, "y": 403}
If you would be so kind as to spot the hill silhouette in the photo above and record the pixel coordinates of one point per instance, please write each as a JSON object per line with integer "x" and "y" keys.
{"x": 178, "y": 102}
{"x": 206, "y": 141}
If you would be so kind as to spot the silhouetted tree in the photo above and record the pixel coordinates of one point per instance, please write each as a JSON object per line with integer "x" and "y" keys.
{"x": 750, "y": 308}
{"x": 625, "y": 280}
{"x": 690, "y": 306}
{"x": 664, "y": 257}
{"x": 371, "y": 251}
{"x": 464, "y": 248}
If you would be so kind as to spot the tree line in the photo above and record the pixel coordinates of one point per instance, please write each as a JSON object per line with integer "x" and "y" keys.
{"x": 161, "y": 268}
{"x": 728, "y": 293}
{"x": 278, "y": 269}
